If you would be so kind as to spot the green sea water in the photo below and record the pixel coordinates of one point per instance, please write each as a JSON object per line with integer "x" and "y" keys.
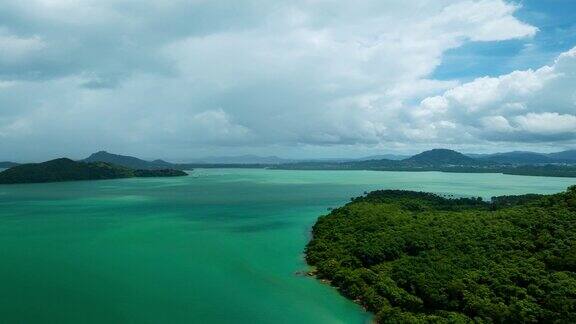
{"x": 219, "y": 246}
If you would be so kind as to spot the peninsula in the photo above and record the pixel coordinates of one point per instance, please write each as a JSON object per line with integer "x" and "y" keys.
{"x": 413, "y": 257}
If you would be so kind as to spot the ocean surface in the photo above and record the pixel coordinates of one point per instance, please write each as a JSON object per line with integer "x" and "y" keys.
{"x": 219, "y": 246}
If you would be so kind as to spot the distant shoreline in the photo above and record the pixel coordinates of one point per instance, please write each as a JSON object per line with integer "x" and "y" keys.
{"x": 533, "y": 172}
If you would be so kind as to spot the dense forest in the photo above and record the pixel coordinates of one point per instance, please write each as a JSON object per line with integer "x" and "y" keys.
{"x": 414, "y": 257}
{"x": 63, "y": 169}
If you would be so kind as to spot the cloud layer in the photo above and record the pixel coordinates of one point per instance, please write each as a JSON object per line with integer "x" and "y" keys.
{"x": 174, "y": 78}
{"x": 523, "y": 106}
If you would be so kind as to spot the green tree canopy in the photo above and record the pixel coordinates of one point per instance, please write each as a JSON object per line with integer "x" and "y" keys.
{"x": 414, "y": 257}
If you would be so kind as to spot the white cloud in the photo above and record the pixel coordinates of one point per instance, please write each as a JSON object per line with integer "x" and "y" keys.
{"x": 547, "y": 123}
{"x": 486, "y": 20}
{"x": 115, "y": 74}
{"x": 210, "y": 126}
{"x": 496, "y": 124}
{"x": 533, "y": 105}
{"x": 14, "y": 49}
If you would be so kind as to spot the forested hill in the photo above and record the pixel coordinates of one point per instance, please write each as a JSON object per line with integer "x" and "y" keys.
{"x": 441, "y": 157}
{"x": 419, "y": 258}
{"x": 67, "y": 170}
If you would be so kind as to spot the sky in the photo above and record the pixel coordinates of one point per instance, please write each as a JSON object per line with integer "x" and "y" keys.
{"x": 181, "y": 79}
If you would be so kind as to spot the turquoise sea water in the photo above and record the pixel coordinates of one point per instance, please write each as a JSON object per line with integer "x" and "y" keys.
{"x": 220, "y": 246}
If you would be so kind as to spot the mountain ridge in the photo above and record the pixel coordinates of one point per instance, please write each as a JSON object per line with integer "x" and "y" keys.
{"x": 440, "y": 157}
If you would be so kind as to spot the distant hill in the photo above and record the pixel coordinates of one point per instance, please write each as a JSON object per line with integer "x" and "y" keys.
{"x": 6, "y": 165}
{"x": 64, "y": 169}
{"x": 440, "y": 157}
{"x": 569, "y": 155}
{"x": 128, "y": 161}
{"x": 527, "y": 158}
{"x": 518, "y": 157}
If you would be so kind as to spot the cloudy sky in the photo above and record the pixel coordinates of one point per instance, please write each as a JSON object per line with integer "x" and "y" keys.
{"x": 180, "y": 79}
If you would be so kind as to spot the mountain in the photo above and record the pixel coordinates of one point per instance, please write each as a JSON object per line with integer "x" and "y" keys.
{"x": 440, "y": 157}
{"x": 128, "y": 161}
{"x": 519, "y": 157}
{"x": 6, "y": 165}
{"x": 569, "y": 155}
{"x": 64, "y": 169}
{"x": 527, "y": 158}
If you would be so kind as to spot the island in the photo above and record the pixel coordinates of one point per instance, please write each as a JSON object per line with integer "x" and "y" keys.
{"x": 64, "y": 169}
{"x": 413, "y": 257}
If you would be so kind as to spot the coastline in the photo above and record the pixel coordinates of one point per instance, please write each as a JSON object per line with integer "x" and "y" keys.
{"x": 313, "y": 273}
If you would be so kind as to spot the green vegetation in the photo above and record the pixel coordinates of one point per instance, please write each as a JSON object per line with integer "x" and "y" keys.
{"x": 413, "y": 257}
{"x": 67, "y": 170}
{"x": 158, "y": 173}
{"x": 441, "y": 157}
